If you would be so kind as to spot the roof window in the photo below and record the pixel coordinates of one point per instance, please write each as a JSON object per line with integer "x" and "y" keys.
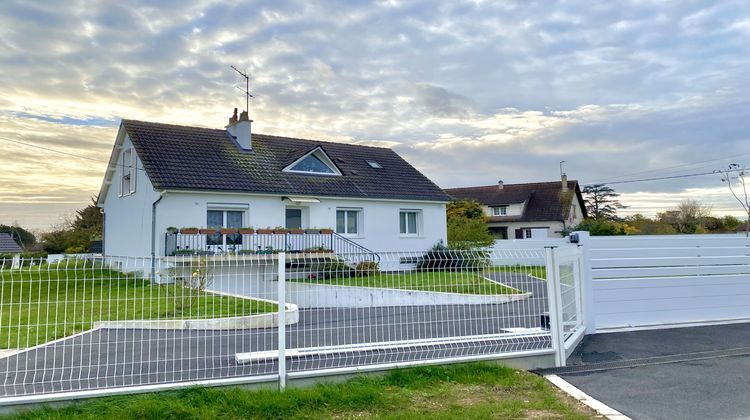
{"x": 374, "y": 164}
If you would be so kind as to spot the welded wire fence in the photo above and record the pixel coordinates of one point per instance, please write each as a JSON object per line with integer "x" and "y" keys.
{"x": 123, "y": 323}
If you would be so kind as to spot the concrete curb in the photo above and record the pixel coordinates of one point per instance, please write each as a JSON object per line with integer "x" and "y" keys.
{"x": 267, "y": 320}
{"x": 586, "y": 399}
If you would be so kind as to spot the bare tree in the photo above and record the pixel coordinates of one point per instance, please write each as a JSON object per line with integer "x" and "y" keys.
{"x": 686, "y": 217}
{"x": 739, "y": 191}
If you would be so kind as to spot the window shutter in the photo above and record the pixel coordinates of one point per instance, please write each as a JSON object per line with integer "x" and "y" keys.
{"x": 122, "y": 174}
{"x": 133, "y": 170}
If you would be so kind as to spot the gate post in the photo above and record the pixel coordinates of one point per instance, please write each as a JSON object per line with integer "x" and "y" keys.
{"x": 587, "y": 285}
{"x": 555, "y": 308}
{"x": 281, "y": 299}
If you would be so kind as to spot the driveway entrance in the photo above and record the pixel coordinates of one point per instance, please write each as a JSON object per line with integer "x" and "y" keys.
{"x": 679, "y": 373}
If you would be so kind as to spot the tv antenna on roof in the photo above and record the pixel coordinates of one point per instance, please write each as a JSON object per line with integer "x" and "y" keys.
{"x": 247, "y": 87}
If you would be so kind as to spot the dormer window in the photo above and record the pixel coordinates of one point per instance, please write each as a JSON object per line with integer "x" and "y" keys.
{"x": 316, "y": 162}
{"x": 499, "y": 210}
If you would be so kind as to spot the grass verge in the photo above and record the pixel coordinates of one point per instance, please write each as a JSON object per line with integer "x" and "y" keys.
{"x": 442, "y": 392}
{"x": 467, "y": 282}
{"x": 531, "y": 270}
{"x": 42, "y": 303}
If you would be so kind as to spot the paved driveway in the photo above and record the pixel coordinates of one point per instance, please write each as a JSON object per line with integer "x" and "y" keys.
{"x": 682, "y": 373}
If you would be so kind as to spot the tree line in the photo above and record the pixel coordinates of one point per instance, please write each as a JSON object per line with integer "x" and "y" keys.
{"x": 688, "y": 217}
{"x": 73, "y": 236}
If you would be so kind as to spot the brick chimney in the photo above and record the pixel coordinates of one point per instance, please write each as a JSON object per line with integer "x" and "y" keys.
{"x": 241, "y": 129}
{"x": 564, "y": 180}
{"x": 500, "y": 184}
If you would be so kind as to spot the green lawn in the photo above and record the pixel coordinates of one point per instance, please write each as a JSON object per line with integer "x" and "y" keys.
{"x": 468, "y": 282}
{"x": 469, "y": 391}
{"x": 39, "y": 304}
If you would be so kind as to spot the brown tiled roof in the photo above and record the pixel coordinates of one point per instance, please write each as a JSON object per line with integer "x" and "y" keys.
{"x": 193, "y": 158}
{"x": 544, "y": 200}
{"x": 8, "y": 245}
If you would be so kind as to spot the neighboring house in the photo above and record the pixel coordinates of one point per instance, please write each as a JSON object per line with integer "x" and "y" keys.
{"x": 528, "y": 211}
{"x": 162, "y": 175}
{"x": 8, "y": 245}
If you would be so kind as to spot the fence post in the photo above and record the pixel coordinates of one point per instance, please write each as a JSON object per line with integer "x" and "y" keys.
{"x": 282, "y": 319}
{"x": 587, "y": 289}
{"x": 555, "y": 309}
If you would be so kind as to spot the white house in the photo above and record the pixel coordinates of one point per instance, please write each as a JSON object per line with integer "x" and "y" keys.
{"x": 162, "y": 176}
{"x": 528, "y": 211}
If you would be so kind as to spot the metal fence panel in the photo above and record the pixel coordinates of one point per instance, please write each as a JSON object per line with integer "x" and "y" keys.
{"x": 103, "y": 324}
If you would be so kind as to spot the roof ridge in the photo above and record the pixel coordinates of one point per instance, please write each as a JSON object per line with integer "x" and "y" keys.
{"x": 255, "y": 134}
{"x": 507, "y": 185}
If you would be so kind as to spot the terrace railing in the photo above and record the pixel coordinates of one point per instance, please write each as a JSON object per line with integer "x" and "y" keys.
{"x": 267, "y": 243}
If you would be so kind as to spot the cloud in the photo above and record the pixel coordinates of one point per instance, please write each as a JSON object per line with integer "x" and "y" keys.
{"x": 469, "y": 92}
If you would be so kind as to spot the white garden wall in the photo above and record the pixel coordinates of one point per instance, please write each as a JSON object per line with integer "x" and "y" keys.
{"x": 651, "y": 281}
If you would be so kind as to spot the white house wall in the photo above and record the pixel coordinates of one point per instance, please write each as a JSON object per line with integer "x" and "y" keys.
{"x": 127, "y": 223}
{"x": 379, "y": 224}
{"x": 575, "y": 216}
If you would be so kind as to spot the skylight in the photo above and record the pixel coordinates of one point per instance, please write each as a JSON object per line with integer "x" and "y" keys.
{"x": 374, "y": 164}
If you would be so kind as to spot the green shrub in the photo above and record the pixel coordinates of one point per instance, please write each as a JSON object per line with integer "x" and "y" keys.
{"x": 366, "y": 268}
{"x": 440, "y": 257}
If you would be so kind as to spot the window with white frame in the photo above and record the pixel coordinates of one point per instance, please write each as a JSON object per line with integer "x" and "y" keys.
{"x": 218, "y": 219}
{"x": 348, "y": 221}
{"x": 127, "y": 171}
{"x": 499, "y": 210}
{"x": 527, "y": 233}
{"x": 409, "y": 222}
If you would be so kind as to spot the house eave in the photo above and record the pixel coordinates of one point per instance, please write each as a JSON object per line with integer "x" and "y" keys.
{"x": 285, "y": 194}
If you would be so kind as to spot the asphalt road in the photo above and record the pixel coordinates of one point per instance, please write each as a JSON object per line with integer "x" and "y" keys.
{"x": 682, "y": 373}
{"x": 125, "y": 357}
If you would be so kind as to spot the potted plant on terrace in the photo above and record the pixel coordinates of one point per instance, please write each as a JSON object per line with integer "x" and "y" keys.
{"x": 247, "y": 230}
{"x": 279, "y": 230}
{"x": 189, "y": 231}
{"x": 207, "y": 231}
{"x": 326, "y": 231}
{"x": 172, "y": 230}
{"x": 297, "y": 231}
{"x": 228, "y": 231}
{"x": 312, "y": 231}
{"x": 266, "y": 231}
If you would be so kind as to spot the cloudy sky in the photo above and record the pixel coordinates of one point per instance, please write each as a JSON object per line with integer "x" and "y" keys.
{"x": 469, "y": 92}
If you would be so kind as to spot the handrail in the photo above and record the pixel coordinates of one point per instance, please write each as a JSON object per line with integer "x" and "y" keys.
{"x": 358, "y": 249}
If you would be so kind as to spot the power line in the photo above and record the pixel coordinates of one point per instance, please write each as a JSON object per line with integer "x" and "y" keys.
{"x": 714, "y": 172}
{"x": 50, "y": 150}
{"x": 61, "y": 152}
{"x": 604, "y": 181}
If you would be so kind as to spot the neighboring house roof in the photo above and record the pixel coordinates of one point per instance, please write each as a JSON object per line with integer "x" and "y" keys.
{"x": 8, "y": 245}
{"x": 192, "y": 158}
{"x": 544, "y": 201}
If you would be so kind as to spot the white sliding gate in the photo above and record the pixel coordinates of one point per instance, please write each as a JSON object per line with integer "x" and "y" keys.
{"x": 657, "y": 281}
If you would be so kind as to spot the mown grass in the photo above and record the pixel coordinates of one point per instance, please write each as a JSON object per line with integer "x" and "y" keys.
{"x": 538, "y": 271}
{"x": 466, "y": 282}
{"x": 443, "y": 392}
{"x": 46, "y": 302}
